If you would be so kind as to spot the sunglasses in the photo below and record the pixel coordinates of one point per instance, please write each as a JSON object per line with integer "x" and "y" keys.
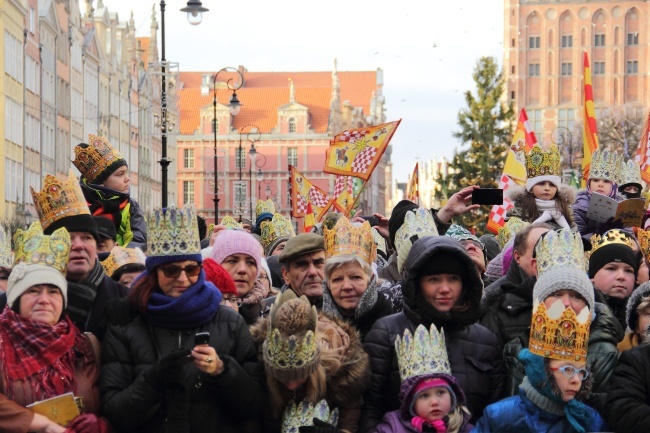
{"x": 173, "y": 271}
{"x": 570, "y": 371}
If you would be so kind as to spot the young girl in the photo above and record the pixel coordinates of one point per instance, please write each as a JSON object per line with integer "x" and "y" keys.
{"x": 545, "y": 198}
{"x": 105, "y": 183}
{"x": 431, "y": 399}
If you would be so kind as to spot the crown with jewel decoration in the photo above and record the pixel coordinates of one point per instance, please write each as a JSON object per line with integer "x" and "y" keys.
{"x": 423, "y": 352}
{"x": 606, "y": 165}
{"x": 59, "y": 199}
{"x": 418, "y": 223}
{"x": 264, "y": 207}
{"x": 93, "y": 158}
{"x": 509, "y": 230}
{"x": 121, "y": 256}
{"x": 561, "y": 248}
{"x": 278, "y": 227}
{"x": 613, "y": 236}
{"x": 230, "y": 223}
{"x": 631, "y": 174}
{"x": 303, "y": 414}
{"x": 347, "y": 238}
{"x": 643, "y": 237}
{"x": 543, "y": 163}
{"x": 559, "y": 333}
{"x": 35, "y": 248}
{"x": 6, "y": 255}
{"x": 173, "y": 232}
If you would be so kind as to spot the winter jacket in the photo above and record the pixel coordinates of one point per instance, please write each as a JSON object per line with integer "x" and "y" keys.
{"x": 13, "y": 417}
{"x": 473, "y": 350}
{"x": 520, "y": 415}
{"x": 507, "y": 307}
{"x": 628, "y": 399}
{"x": 212, "y": 404}
{"x": 605, "y": 333}
{"x": 617, "y": 306}
{"x": 516, "y": 193}
{"x": 587, "y": 227}
{"x": 394, "y": 423}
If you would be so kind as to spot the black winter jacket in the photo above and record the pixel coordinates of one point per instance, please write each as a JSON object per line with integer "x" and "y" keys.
{"x": 474, "y": 354}
{"x": 216, "y": 404}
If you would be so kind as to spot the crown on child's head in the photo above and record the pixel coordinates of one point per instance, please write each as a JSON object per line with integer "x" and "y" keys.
{"x": 613, "y": 236}
{"x": 510, "y": 229}
{"x": 643, "y": 237}
{"x": 606, "y": 165}
{"x": 121, "y": 256}
{"x": 346, "y": 238}
{"x": 264, "y": 207}
{"x": 278, "y": 227}
{"x": 35, "y": 248}
{"x": 173, "y": 231}
{"x": 6, "y": 254}
{"x": 543, "y": 163}
{"x": 303, "y": 414}
{"x": 423, "y": 352}
{"x": 631, "y": 174}
{"x": 418, "y": 223}
{"x": 561, "y": 248}
{"x": 59, "y": 199}
{"x": 230, "y": 223}
{"x": 93, "y": 158}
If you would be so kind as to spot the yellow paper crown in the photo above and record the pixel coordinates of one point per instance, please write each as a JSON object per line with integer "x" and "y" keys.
{"x": 230, "y": 223}
{"x": 631, "y": 173}
{"x": 613, "y": 236}
{"x": 606, "y": 165}
{"x": 418, "y": 223}
{"x": 561, "y": 248}
{"x": 264, "y": 207}
{"x": 559, "y": 333}
{"x": 35, "y": 248}
{"x": 278, "y": 227}
{"x": 423, "y": 352}
{"x": 303, "y": 414}
{"x": 173, "y": 232}
{"x": 93, "y": 158}
{"x": 346, "y": 238}
{"x": 6, "y": 255}
{"x": 59, "y": 199}
{"x": 541, "y": 163}
{"x": 510, "y": 230}
{"x": 121, "y": 256}
{"x": 643, "y": 237}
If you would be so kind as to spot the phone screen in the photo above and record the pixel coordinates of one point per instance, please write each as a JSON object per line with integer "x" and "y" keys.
{"x": 487, "y": 196}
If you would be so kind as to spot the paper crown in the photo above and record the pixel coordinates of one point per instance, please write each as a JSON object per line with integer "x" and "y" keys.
{"x": 173, "y": 232}
{"x": 543, "y": 163}
{"x": 561, "y": 248}
{"x": 418, "y": 223}
{"x": 643, "y": 237}
{"x": 278, "y": 227}
{"x": 631, "y": 173}
{"x": 35, "y": 248}
{"x": 606, "y": 165}
{"x": 6, "y": 255}
{"x": 509, "y": 230}
{"x": 230, "y": 223}
{"x": 93, "y": 158}
{"x": 59, "y": 199}
{"x": 264, "y": 207}
{"x": 613, "y": 236}
{"x": 423, "y": 352}
{"x": 346, "y": 238}
{"x": 303, "y": 414}
{"x": 559, "y": 333}
{"x": 121, "y": 256}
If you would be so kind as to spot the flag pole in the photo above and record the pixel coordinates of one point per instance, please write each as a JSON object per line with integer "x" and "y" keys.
{"x": 356, "y": 199}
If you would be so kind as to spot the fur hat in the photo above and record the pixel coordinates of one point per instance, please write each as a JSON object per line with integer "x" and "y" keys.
{"x": 217, "y": 275}
{"x": 23, "y": 276}
{"x": 631, "y": 315}
{"x": 230, "y": 242}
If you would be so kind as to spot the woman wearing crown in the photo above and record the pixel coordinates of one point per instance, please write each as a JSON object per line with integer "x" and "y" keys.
{"x": 43, "y": 354}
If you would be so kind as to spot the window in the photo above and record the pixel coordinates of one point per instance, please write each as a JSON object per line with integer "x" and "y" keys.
{"x": 533, "y": 69}
{"x": 512, "y": 69}
{"x": 13, "y": 57}
{"x": 32, "y": 19}
{"x": 599, "y": 40}
{"x": 533, "y": 42}
{"x": 633, "y": 39}
{"x": 535, "y": 121}
{"x": 512, "y": 95}
{"x": 188, "y": 192}
{"x": 567, "y": 41}
{"x": 188, "y": 158}
{"x": 599, "y": 68}
{"x": 14, "y": 181}
{"x": 215, "y": 125}
{"x": 292, "y": 156}
{"x": 512, "y": 43}
{"x": 292, "y": 125}
{"x": 632, "y": 67}
{"x": 13, "y": 121}
{"x": 567, "y": 68}
{"x": 566, "y": 118}
{"x": 240, "y": 158}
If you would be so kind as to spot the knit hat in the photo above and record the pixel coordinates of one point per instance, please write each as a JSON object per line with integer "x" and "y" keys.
{"x": 23, "y": 276}
{"x": 217, "y": 275}
{"x": 230, "y": 242}
{"x": 631, "y": 315}
{"x": 266, "y": 269}
{"x": 613, "y": 246}
{"x": 173, "y": 237}
{"x": 105, "y": 228}
{"x": 444, "y": 264}
{"x": 427, "y": 383}
{"x": 461, "y": 234}
{"x": 397, "y": 217}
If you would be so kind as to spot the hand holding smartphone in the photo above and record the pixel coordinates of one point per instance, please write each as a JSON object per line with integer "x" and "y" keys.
{"x": 201, "y": 338}
{"x": 487, "y": 196}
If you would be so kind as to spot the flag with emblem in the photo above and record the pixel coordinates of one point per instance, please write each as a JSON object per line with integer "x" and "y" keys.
{"x": 522, "y": 141}
{"x": 590, "y": 133}
{"x": 643, "y": 152}
{"x": 304, "y": 192}
{"x": 356, "y": 152}
{"x": 343, "y": 193}
{"x": 310, "y": 221}
{"x": 413, "y": 188}
{"x": 498, "y": 213}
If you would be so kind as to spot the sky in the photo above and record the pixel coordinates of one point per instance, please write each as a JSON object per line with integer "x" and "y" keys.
{"x": 427, "y": 49}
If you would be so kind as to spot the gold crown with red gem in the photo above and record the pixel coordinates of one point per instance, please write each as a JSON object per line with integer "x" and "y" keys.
{"x": 59, "y": 199}
{"x": 93, "y": 158}
{"x": 347, "y": 238}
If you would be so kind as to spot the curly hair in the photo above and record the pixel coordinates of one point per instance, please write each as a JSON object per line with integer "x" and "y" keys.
{"x": 585, "y": 389}
{"x": 530, "y": 213}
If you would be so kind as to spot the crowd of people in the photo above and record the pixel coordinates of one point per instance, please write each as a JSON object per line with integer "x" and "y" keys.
{"x": 117, "y": 321}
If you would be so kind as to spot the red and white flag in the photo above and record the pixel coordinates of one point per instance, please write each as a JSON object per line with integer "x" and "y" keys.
{"x": 498, "y": 213}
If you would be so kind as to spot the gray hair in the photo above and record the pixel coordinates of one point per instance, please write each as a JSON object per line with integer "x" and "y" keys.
{"x": 335, "y": 262}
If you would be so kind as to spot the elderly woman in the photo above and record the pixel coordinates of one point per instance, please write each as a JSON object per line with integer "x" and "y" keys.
{"x": 350, "y": 291}
{"x": 43, "y": 354}
{"x": 183, "y": 363}
{"x": 441, "y": 287}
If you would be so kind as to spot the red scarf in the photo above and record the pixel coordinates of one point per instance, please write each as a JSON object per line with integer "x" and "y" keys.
{"x": 39, "y": 354}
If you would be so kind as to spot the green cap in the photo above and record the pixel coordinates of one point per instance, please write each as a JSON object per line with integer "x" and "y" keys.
{"x": 304, "y": 243}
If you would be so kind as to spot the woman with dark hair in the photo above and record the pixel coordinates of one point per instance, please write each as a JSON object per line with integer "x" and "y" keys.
{"x": 182, "y": 363}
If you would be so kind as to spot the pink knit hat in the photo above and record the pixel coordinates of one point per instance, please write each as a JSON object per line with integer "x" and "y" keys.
{"x": 230, "y": 242}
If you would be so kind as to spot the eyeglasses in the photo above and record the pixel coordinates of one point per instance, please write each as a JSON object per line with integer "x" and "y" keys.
{"x": 173, "y": 271}
{"x": 469, "y": 242}
{"x": 232, "y": 299}
{"x": 570, "y": 371}
{"x": 263, "y": 277}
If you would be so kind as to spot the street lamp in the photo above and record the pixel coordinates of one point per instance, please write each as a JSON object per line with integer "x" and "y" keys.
{"x": 252, "y": 154}
{"x": 194, "y": 11}
{"x": 235, "y": 107}
{"x": 240, "y": 161}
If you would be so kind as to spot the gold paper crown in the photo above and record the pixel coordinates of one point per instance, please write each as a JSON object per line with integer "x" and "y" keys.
{"x": 278, "y": 227}
{"x": 59, "y": 199}
{"x": 631, "y": 173}
{"x": 423, "y": 352}
{"x": 606, "y": 165}
{"x": 93, "y": 158}
{"x": 560, "y": 248}
{"x": 510, "y": 230}
{"x": 613, "y": 236}
{"x": 121, "y": 256}
{"x": 35, "y": 248}
{"x": 173, "y": 232}
{"x": 264, "y": 206}
{"x": 346, "y": 238}
{"x": 540, "y": 163}
{"x": 303, "y": 414}
{"x": 559, "y": 333}
{"x": 6, "y": 255}
{"x": 417, "y": 224}
{"x": 643, "y": 237}
{"x": 230, "y": 223}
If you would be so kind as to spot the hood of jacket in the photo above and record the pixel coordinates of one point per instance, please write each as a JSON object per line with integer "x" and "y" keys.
{"x": 425, "y": 251}
{"x": 605, "y": 327}
{"x": 406, "y": 390}
{"x": 631, "y": 315}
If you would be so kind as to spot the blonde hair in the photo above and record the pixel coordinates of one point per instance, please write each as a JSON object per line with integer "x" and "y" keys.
{"x": 456, "y": 418}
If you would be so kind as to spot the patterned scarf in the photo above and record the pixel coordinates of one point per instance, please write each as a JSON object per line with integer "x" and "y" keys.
{"x": 40, "y": 354}
{"x": 82, "y": 295}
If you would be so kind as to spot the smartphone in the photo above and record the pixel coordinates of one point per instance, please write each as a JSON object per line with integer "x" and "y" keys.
{"x": 373, "y": 220}
{"x": 201, "y": 338}
{"x": 487, "y": 196}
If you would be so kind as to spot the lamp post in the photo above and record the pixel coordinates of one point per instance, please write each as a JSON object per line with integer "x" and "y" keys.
{"x": 252, "y": 154}
{"x": 235, "y": 106}
{"x": 240, "y": 162}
